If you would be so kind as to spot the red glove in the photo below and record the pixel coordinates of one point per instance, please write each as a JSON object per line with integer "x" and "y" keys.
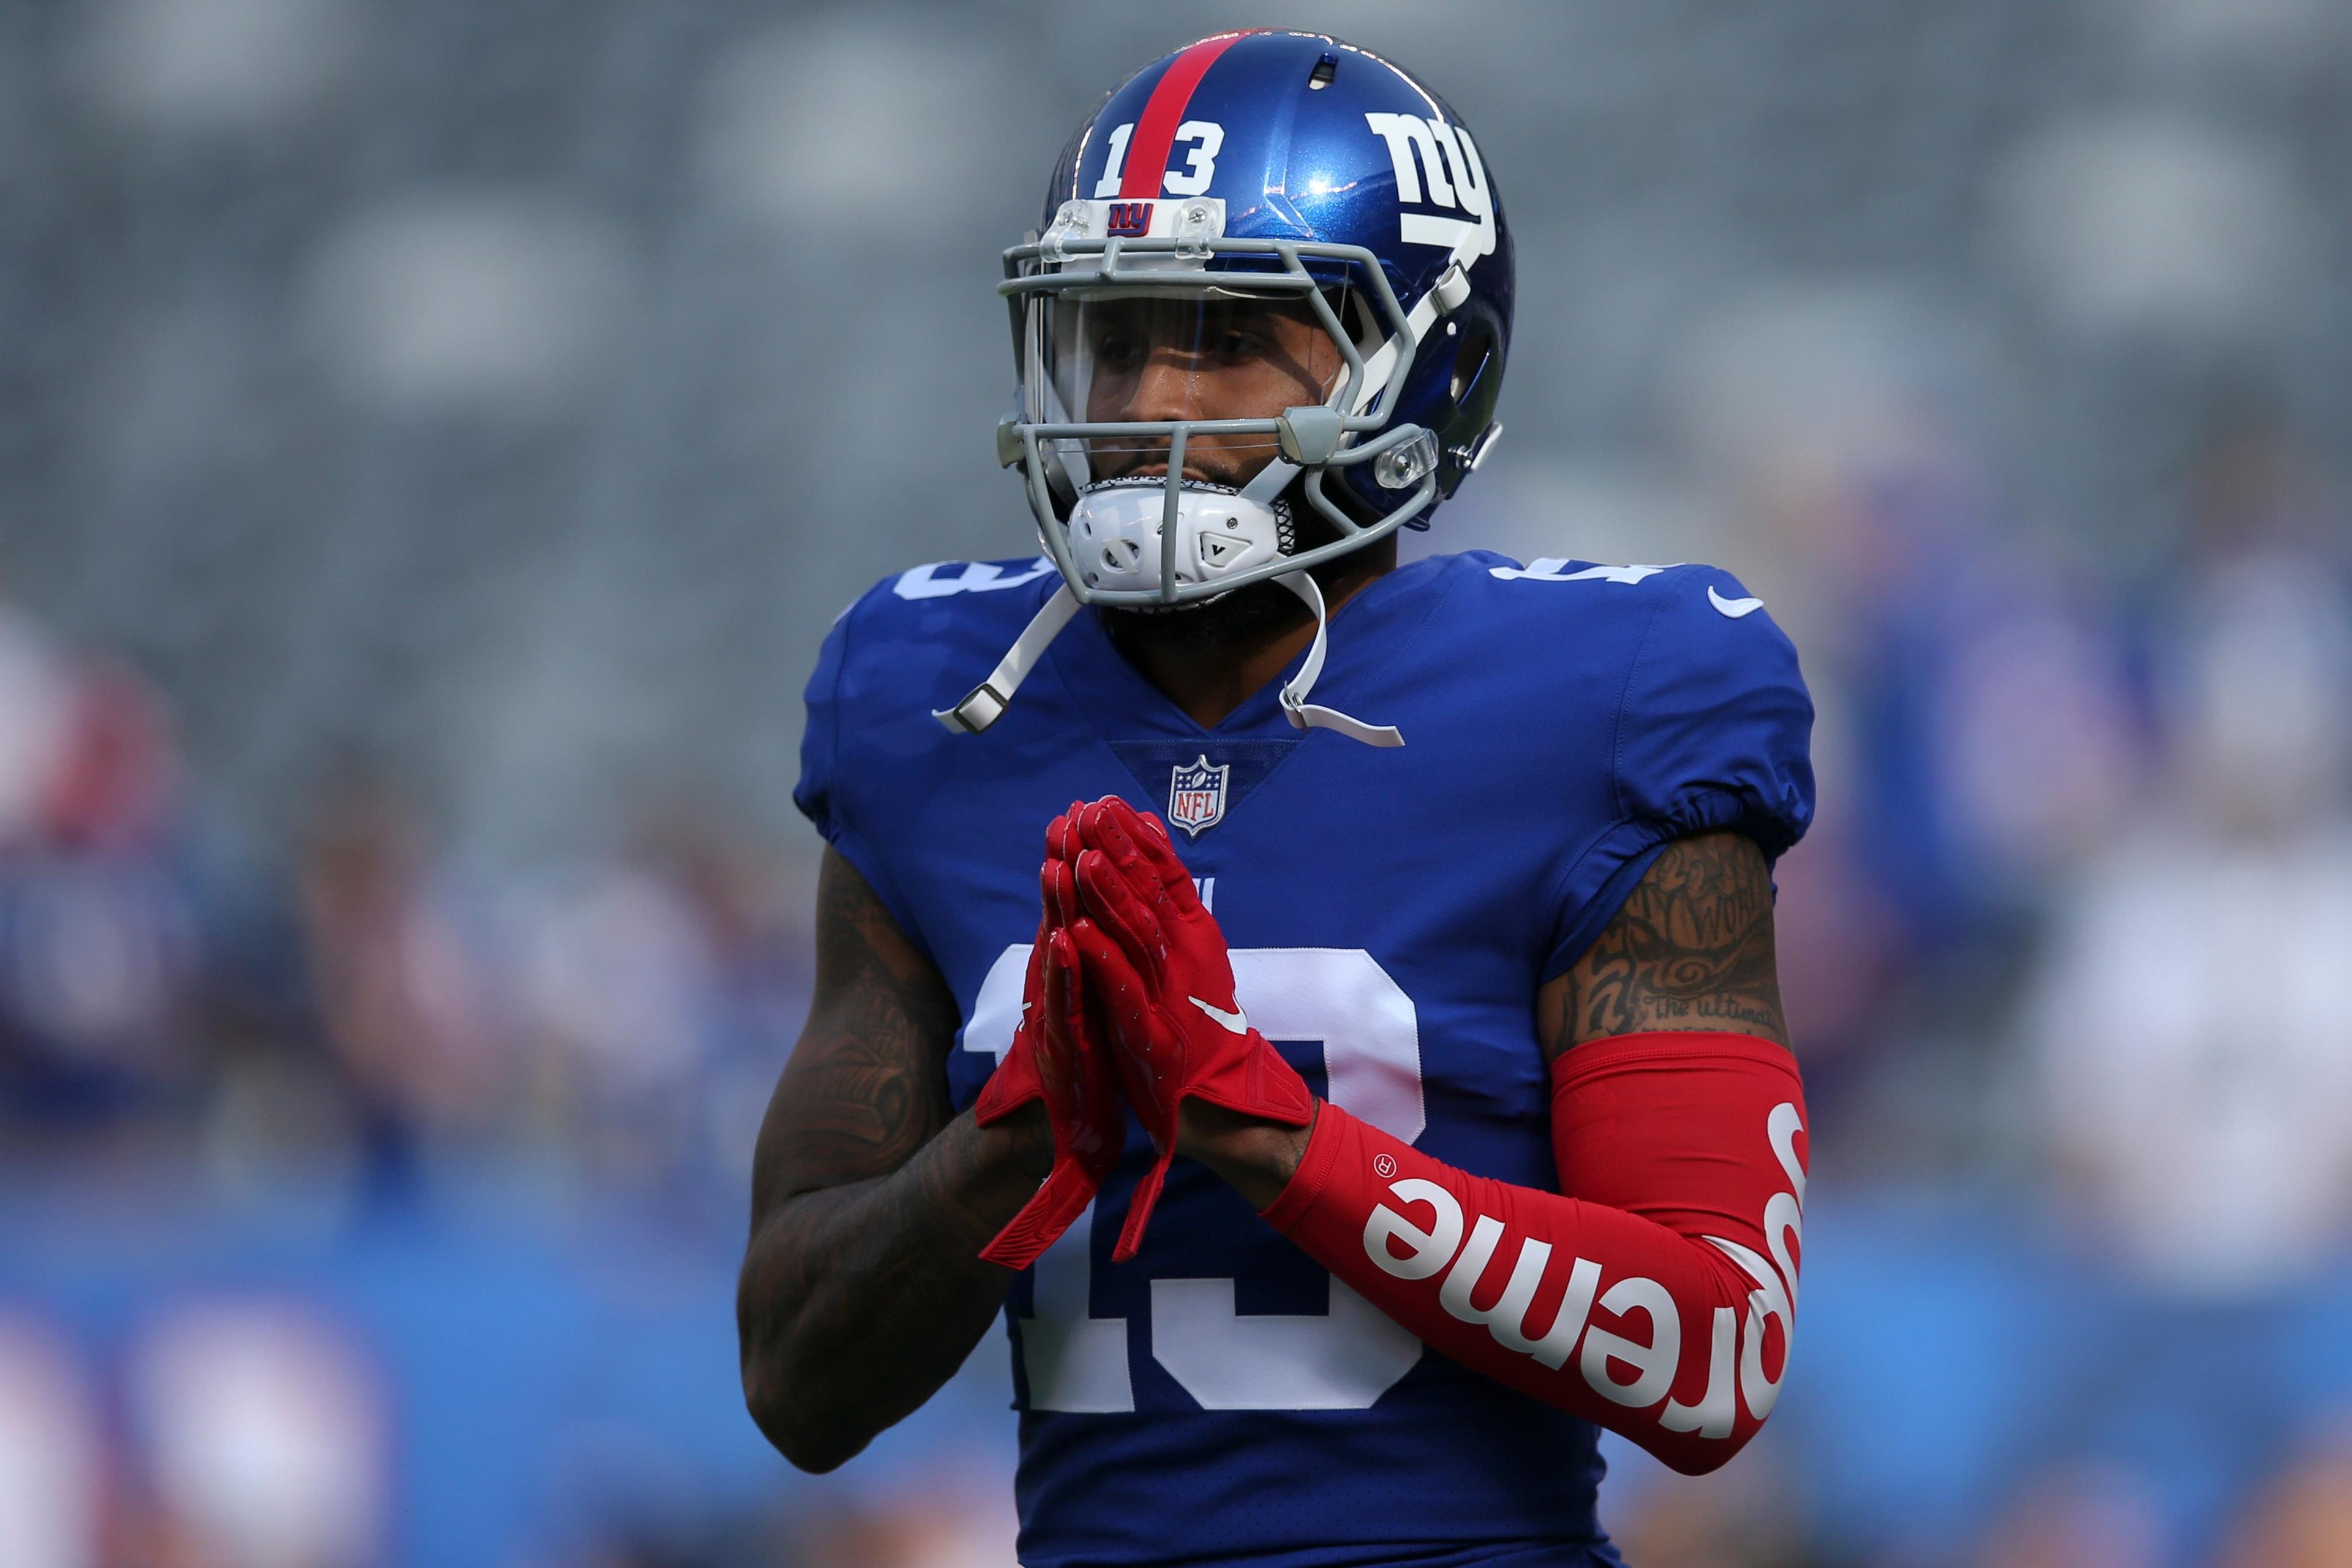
{"x": 1157, "y": 968}
{"x": 1056, "y": 1056}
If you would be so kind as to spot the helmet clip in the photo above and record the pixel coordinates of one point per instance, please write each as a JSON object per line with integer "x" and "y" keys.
{"x": 1452, "y": 287}
{"x": 1309, "y": 434}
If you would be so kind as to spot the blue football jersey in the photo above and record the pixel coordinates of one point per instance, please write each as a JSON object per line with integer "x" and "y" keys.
{"x": 1391, "y": 912}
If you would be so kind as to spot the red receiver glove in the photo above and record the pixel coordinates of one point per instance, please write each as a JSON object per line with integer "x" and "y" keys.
{"x": 1056, "y": 1056}
{"x": 1165, "y": 986}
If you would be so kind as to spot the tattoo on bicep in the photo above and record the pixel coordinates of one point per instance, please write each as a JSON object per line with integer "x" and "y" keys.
{"x": 1691, "y": 949}
{"x": 865, "y": 1087}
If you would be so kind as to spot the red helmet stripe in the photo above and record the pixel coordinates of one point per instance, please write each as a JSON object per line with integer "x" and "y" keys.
{"x": 1155, "y": 132}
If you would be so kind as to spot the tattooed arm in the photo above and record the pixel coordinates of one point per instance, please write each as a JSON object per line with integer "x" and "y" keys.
{"x": 862, "y": 1289}
{"x": 1691, "y": 949}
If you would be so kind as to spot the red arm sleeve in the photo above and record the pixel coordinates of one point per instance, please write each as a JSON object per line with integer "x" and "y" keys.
{"x": 1653, "y": 1295}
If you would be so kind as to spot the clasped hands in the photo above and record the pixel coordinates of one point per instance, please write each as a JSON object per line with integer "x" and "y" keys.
{"x": 1129, "y": 1001}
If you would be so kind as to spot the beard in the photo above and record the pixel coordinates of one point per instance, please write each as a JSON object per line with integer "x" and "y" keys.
{"x": 1241, "y": 619}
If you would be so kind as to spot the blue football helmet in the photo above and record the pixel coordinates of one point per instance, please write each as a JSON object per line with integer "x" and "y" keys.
{"x": 1276, "y": 197}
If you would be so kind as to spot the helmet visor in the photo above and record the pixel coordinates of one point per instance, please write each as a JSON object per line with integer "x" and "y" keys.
{"x": 1150, "y": 359}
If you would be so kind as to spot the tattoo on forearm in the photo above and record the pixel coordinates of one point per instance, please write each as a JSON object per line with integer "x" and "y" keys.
{"x": 862, "y": 1288}
{"x": 1691, "y": 949}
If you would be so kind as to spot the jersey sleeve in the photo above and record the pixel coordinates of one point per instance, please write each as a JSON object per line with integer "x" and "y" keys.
{"x": 826, "y": 793}
{"x": 1713, "y": 732}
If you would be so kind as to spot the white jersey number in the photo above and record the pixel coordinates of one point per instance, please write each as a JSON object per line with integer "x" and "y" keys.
{"x": 1341, "y": 1360}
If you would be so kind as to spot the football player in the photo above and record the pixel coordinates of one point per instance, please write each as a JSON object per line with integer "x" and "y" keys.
{"x": 1423, "y": 910}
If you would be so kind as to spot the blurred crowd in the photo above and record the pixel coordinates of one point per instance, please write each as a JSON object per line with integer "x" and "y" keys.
{"x": 354, "y": 1003}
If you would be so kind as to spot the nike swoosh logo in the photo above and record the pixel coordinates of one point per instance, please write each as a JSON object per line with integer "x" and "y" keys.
{"x": 1237, "y": 1021}
{"x": 1735, "y": 608}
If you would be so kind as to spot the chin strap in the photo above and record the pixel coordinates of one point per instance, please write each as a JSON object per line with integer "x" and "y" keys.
{"x": 1306, "y": 715}
{"x": 986, "y": 702}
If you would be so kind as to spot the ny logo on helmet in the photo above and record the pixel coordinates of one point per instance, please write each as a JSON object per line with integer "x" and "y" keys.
{"x": 1127, "y": 217}
{"x": 1441, "y": 159}
{"x": 1196, "y": 795}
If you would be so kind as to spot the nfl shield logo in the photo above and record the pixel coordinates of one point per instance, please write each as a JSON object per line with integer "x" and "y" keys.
{"x": 1196, "y": 795}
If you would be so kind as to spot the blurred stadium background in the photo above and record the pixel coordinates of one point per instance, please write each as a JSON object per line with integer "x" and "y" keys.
{"x": 435, "y": 435}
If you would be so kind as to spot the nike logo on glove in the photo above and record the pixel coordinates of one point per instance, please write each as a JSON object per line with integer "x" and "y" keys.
{"x": 1237, "y": 1021}
{"x": 1735, "y": 608}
